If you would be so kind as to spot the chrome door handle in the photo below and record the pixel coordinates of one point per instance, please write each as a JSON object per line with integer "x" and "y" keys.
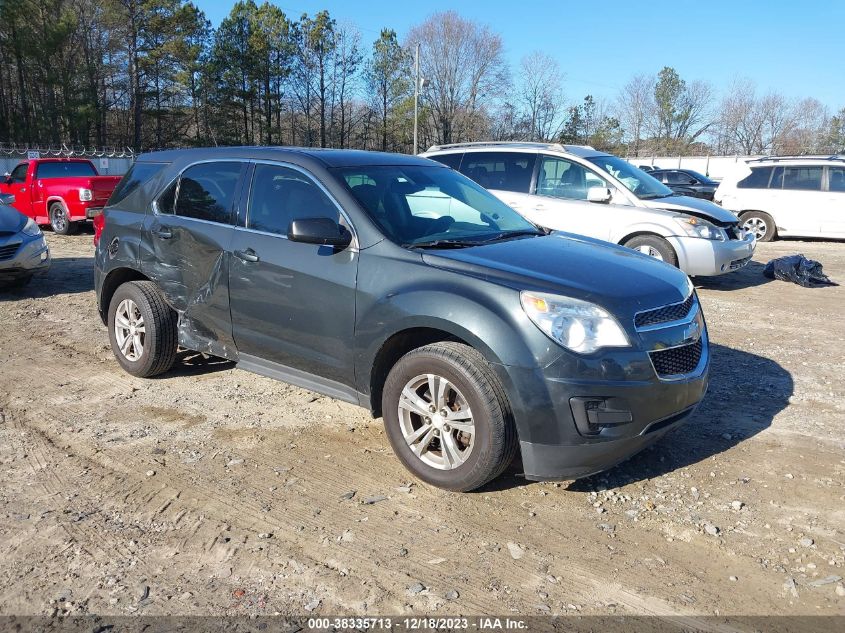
{"x": 248, "y": 255}
{"x": 164, "y": 233}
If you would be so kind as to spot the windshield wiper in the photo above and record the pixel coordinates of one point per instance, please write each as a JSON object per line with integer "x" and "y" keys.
{"x": 505, "y": 235}
{"x": 443, "y": 244}
{"x": 657, "y": 196}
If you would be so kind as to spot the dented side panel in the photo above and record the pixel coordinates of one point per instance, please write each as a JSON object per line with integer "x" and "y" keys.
{"x": 189, "y": 261}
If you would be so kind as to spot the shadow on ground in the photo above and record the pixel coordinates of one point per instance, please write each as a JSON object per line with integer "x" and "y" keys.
{"x": 67, "y": 275}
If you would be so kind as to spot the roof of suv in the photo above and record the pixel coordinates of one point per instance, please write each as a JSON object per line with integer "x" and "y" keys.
{"x": 577, "y": 150}
{"x": 328, "y": 157}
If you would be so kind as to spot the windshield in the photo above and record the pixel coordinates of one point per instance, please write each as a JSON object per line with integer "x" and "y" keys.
{"x": 698, "y": 176}
{"x": 638, "y": 182}
{"x": 431, "y": 206}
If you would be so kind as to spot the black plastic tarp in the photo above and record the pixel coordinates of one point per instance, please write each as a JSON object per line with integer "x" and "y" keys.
{"x": 798, "y": 269}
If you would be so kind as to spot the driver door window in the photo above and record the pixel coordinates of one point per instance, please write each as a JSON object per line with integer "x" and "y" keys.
{"x": 18, "y": 174}
{"x": 561, "y": 178}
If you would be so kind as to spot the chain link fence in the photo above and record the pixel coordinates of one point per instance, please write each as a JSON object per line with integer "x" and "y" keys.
{"x": 109, "y": 161}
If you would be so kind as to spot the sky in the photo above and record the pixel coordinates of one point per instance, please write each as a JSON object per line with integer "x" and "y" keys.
{"x": 795, "y": 48}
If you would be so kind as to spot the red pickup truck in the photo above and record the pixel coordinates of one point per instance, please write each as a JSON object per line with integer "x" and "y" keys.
{"x": 58, "y": 191}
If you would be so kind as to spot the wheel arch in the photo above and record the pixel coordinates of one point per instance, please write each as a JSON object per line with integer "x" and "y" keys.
{"x": 116, "y": 278}
{"x": 407, "y": 340}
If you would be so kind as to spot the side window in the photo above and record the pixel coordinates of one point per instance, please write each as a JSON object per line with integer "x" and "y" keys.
{"x": 561, "y": 178}
{"x": 679, "y": 178}
{"x": 206, "y": 191}
{"x": 450, "y": 160}
{"x": 503, "y": 171}
{"x": 280, "y": 195}
{"x": 758, "y": 179}
{"x": 836, "y": 179}
{"x": 803, "y": 177}
{"x": 18, "y": 174}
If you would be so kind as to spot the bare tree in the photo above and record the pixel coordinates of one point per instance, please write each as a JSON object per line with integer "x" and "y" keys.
{"x": 541, "y": 94}
{"x": 464, "y": 63}
{"x": 635, "y": 106}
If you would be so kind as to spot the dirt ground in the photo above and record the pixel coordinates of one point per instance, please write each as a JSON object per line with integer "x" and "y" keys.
{"x": 214, "y": 491}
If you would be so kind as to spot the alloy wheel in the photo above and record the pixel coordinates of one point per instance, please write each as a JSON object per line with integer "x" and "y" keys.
{"x": 645, "y": 249}
{"x": 129, "y": 330}
{"x": 436, "y": 421}
{"x": 756, "y": 226}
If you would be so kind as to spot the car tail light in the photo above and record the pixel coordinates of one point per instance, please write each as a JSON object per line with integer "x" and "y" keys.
{"x": 98, "y": 219}
{"x": 86, "y": 195}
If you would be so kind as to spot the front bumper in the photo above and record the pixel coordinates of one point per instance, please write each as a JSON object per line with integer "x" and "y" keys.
{"x": 31, "y": 257}
{"x": 637, "y": 408}
{"x": 705, "y": 258}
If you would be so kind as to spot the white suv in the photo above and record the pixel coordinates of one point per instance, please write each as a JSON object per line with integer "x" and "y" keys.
{"x": 800, "y": 196}
{"x": 580, "y": 190}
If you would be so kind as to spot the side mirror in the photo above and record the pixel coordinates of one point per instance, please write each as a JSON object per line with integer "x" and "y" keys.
{"x": 319, "y": 231}
{"x": 7, "y": 178}
{"x": 7, "y": 198}
{"x": 602, "y": 195}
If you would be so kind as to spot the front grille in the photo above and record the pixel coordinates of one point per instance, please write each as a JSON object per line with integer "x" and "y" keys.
{"x": 673, "y": 312}
{"x": 739, "y": 263}
{"x": 8, "y": 250}
{"x": 678, "y": 360}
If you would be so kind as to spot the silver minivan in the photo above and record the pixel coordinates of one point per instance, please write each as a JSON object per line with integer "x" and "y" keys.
{"x": 580, "y": 190}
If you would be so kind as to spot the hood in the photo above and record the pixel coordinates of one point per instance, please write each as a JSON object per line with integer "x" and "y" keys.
{"x": 11, "y": 220}
{"x": 698, "y": 207}
{"x": 616, "y": 278}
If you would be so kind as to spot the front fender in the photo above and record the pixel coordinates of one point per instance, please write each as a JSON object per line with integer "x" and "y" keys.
{"x": 622, "y": 234}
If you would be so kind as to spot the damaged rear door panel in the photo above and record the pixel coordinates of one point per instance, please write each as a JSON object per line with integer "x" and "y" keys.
{"x": 189, "y": 235}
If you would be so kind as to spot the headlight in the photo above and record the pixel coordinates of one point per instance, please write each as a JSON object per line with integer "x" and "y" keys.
{"x": 696, "y": 227}
{"x": 577, "y": 325}
{"x": 31, "y": 228}
{"x": 85, "y": 195}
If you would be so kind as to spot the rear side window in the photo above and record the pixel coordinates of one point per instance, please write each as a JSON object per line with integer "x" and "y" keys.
{"x": 758, "y": 179}
{"x": 802, "y": 177}
{"x": 503, "y": 171}
{"x": 139, "y": 174}
{"x": 450, "y": 160}
{"x": 65, "y": 170}
{"x": 679, "y": 178}
{"x": 281, "y": 195}
{"x": 206, "y": 191}
{"x": 837, "y": 179}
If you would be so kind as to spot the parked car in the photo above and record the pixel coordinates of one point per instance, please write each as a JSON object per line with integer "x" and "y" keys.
{"x": 647, "y": 168}
{"x": 788, "y": 196}
{"x": 60, "y": 192}
{"x": 686, "y": 182}
{"x": 23, "y": 250}
{"x": 474, "y": 335}
{"x": 580, "y": 190}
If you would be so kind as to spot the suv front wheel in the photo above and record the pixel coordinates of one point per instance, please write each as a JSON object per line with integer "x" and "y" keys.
{"x": 142, "y": 329}
{"x": 447, "y": 417}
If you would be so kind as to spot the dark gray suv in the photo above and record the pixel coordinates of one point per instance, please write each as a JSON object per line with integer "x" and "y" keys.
{"x": 398, "y": 284}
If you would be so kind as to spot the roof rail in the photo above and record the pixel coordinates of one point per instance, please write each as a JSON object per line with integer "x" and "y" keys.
{"x": 799, "y": 157}
{"x": 522, "y": 144}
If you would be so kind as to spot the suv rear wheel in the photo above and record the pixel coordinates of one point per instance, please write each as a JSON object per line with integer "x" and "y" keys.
{"x": 653, "y": 246}
{"x": 760, "y": 224}
{"x": 142, "y": 329}
{"x": 447, "y": 417}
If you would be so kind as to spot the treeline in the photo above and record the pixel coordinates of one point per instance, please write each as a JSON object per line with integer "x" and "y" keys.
{"x": 149, "y": 74}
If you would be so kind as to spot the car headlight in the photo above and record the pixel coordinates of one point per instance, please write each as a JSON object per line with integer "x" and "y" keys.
{"x": 31, "y": 228}
{"x": 85, "y": 195}
{"x": 696, "y": 227}
{"x": 576, "y": 325}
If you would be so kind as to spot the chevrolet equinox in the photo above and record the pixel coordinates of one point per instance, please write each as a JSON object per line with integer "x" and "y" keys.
{"x": 400, "y": 285}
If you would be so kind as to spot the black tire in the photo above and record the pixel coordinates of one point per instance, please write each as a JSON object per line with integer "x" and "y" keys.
{"x": 495, "y": 443}
{"x": 59, "y": 220}
{"x": 761, "y": 223}
{"x": 160, "y": 338}
{"x": 655, "y": 243}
